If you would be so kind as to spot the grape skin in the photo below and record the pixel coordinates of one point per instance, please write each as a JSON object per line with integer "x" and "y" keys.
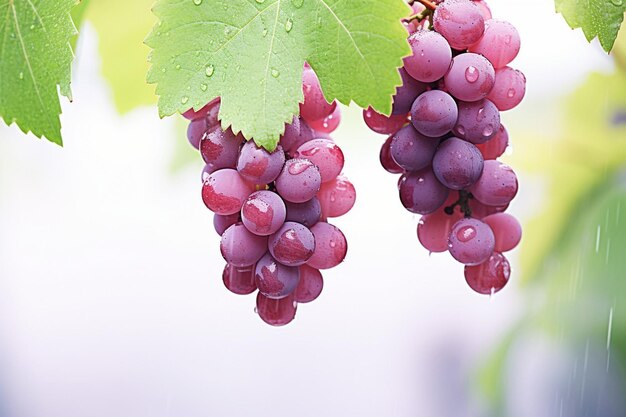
{"x": 299, "y": 181}
{"x": 478, "y": 121}
{"x": 258, "y": 165}
{"x": 421, "y": 192}
{"x": 276, "y": 312}
{"x": 330, "y": 246}
{"x": 263, "y": 213}
{"x": 497, "y": 185}
{"x": 434, "y": 113}
{"x": 506, "y": 229}
{"x": 310, "y": 285}
{"x": 224, "y": 191}
{"x": 457, "y": 164}
{"x": 275, "y": 280}
{"x": 239, "y": 280}
{"x": 509, "y": 88}
{"x": 411, "y": 150}
{"x": 240, "y": 247}
{"x": 490, "y": 276}
{"x": 471, "y": 241}
{"x": 500, "y": 43}
{"x": 292, "y": 245}
{"x": 431, "y": 56}
{"x": 336, "y": 197}
{"x": 470, "y": 78}
{"x": 460, "y": 22}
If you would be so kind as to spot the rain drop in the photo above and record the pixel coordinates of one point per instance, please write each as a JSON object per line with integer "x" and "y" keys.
{"x": 21, "y": 75}
{"x": 177, "y": 66}
{"x": 197, "y": 2}
{"x": 510, "y": 93}
{"x": 203, "y": 87}
{"x": 209, "y": 70}
{"x": 275, "y": 73}
{"x": 488, "y": 131}
{"x": 184, "y": 100}
{"x": 288, "y": 25}
{"x": 461, "y": 130}
{"x": 471, "y": 74}
{"x": 32, "y": 27}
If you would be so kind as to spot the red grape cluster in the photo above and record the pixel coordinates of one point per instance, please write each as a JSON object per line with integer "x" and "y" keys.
{"x": 446, "y": 135}
{"x": 271, "y": 208}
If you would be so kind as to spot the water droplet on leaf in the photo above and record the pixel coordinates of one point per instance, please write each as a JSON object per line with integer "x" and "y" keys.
{"x": 209, "y": 70}
{"x": 275, "y": 73}
{"x": 184, "y": 100}
{"x": 288, "y": 25}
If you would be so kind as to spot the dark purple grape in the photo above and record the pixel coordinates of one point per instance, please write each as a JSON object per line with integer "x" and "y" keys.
{"x": 240, "y": 247}
{"x": 421, "y": 192}
{"x": 434, "y": 113}
{"x": 406, "y": 93}
{"x": 259, "y": 166}
{"x": 411, "y": 150}
{"x": 478, "y": 121}
{"x": 307, "y": 213}
{"x": 457, "y": 164}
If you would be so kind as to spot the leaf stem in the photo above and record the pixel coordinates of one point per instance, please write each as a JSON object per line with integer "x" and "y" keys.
{"x": 428, "y": 4}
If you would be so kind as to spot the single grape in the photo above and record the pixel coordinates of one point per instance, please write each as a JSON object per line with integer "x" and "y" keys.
{"x": 506, "y": 229}
{"x": 329, "y": 123}
{"x": 421, "y": 192}
{"x": 431, "y": 56}
{"x": 276, "y": 312}
{"x": 497, "y": 185}
{"x": 411, "y": 150}
{"x": 471, "y": 241}
{"x": 307, "y": 213}
{"x": 196, "y": 129}
{"x": 315, "y": 107}
{"x": 433, "y": 229}
{"x": 240, "y": 247}
{"x": 490, "y": 276}
{"x": 406, "y": 93}
{"x": 385, "y": 125}
{"x": 221, "y": 223}
{"x": 220, "y": 148}
{"x": 386, "y": 160}
{"x": 325, "y": 154}
{"x": 263, "y": 213}
{"x": 509, "y": 88}
{"x": 310, "y": 285}
{"x": 336, "y": 197}
{"x": 470, "y": 78}
{"x": 480, "y": 210}
{"x": 209, "y": 112}
{"x": 292, "y": 244}
{"x": 500, "y": 44}
{"x": 296, "y": 133}
{"x": 434, "y": 113}
{"x": 275, "y": 280}
{"x": 484, "y": 9}
{"x": 207, "y": 170}
{"x": 258, "y": 165}
{"x": 239, "y": 280}
{"x": 460, "y": 22}
{"x": 495, "y": 147}
{"x": 457, "y": 164}
{"x": 478, "y": 121}
{"x": 299, "y": 181}
{"x": 330, "y": 246}
{"x": 224, "y": 191}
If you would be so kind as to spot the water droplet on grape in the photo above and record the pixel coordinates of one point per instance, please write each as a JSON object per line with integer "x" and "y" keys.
{"x": 209, "y": 70}
{"x": 288, "y": 25}
{"x": 471, "y": 74}
{"x": 488, "y": 131}
{"x": 466, "y": 233}
{"x": 507, "y": 40}
{"x": 184, "y": 100}
{"x": 510, "y": 93}
{"x": 461, "y": 130}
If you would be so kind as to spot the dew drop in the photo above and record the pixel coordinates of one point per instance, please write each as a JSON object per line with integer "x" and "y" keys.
{"x": 203, "y": 87}
{"x": 184, "y": 100}
{"x": 488, "y": 131}
{"x": 288, "y": 25}
{"x": 21, "y": 75}
{"x": 510, "y": 93}
{"x": 297, "y": 3}
{"x": 177, "y": 66}
{"x": 260, "y": 1}
{"x": 264, "y": 32}
{"x": 471, "y": 74}
{"x": 275, "y": 73}
{"x": 197, "y": 2}
{"x": 461, "y": 130}
{"x": 466, "y": 233}
{"x": 32, "y": 27}
{"x": 209, "y": 70}
{"x": 163, "y": 70}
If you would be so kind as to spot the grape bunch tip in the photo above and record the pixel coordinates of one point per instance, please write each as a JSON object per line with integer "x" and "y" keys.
{"x": 271, "y": 209}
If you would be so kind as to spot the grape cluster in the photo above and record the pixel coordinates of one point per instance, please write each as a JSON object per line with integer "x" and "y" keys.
{"x": 446, "y": 135}
{"x": 271, "y": 208}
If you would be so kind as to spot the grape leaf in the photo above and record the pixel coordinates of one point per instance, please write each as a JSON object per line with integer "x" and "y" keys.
{"x": 601, "y": 18}
{"x": 35, "y": 58}
{"x": 251, "y": 53}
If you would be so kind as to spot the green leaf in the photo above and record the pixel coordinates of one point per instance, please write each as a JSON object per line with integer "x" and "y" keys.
{"x": 78, "y": 17}
{"x": 35, "y": 58}
{"x": 597, "y": 18}
{"x": 251, "y": 53}
{"x": 120, "y": 42}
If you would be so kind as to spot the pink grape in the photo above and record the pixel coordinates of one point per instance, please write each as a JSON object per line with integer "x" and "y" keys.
{"x": 433, "y": 229}
{"x": 421, "y": 192}
{"x": 478, "y": 121}
{"x": 460, "y": 22}
{"x": 275, "y": 280}
{"x": 431, "y": 56}
{"x": 207, "y": 170}
{"x": 299, "y": 181}
{"x": 329, "y": 123}
{"x": 310, "y": 285}
{"x": 239, "y": 280}
{"x": 385, "y": 125}
{"x": 315, "y": 107}
{"x": 292, "y": 244}
{"x": 470, "y": 78}
{"x": 307, "y": 213}
{"x": 196, "y": 129}
{"x": 497, "y": 185}
{"x": 224, "y": 191}
{"x": 221, "y": 148}
{"x": 495, "y": 147}
{"x": 263, "y": 213}
{"x": 406, "y": 93}
{"x": 325, "y": 154}
{"x": 484, "y": 9}
{"x": 240, "y": 247}
{"x": 506, "y": 229}
{"x": 457, "y": 164}
{"x": 509, "y": 88}
{"x": 386, "y": 159}
{"x": 221, "y": 223}
{"x": 471, "y": 241}
{"x": 411, "y": 150}
{"x": 296, "y": 133}
{"x": 209, "y": 112}
{"x": 258, "y": 165}
{"x": 276, "y": 312}
{"x": 480, "y": 210}
{"x": 434, "y": 113}
{"x": 500, "y": 44}
{"x": 336, "y": 197}
{"x": 490, "y": 276}
{"x": 330, "y": 246}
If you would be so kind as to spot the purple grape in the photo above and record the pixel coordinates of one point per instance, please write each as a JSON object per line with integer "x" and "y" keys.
{"x": 296, "y": 134}
{"x": 196, "y": 129}
{"x": 484, "y": 10}
{"x": 310, "y": 285}
{"x": 500, "y": 44}
{"x": 239, "y": 280}
{"x": 209, "y": 112}
{"x": 411, "y": 150}
{"x": 292, "y": 245}
{"x": 276, "y": 312}
{"x": 382, "y": 124}
{"x": 337, "y": 197}
{"x": 220, "y": 148}
{"x": 457, "y": 164}
{"x": 330, "y": 246}
{"x": 315, "y": 107}
{"x": 329, "y": 123}
{"x": 263, "y": 213}
{"x": 460, "y": 22}
{"x": 471, "y": 241}
{"x": 307, "y": 213}
{"x": 431, "y": 56}
{"x": 506, "y": 229}
{"x": 275, "y": 280}
{"x": 421, "y": 192}
{"x": 299, "y": 181}
{"x": 325, "y": 154}
{"x": 509, "y": 88}
{"x": 433, "y": 229}
{"x": 386, "y": 160}
{"x": 406, "y": 93}
{"x": 478, "y": 121}
{"x": 224, "y": 191}
{"x": 470, "y": 78}
{"x": 497, "y": 185}
{"x": 434, "y": 113}
{"x": 206, "y": 171}
{"x": 258, "y": 165}
{"x": 240, "y": 247}
{"x": 221, "y": 223}
{"x": 490, "y": 276}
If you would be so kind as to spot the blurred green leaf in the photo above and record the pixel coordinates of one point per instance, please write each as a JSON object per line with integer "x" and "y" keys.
{"x": 78, "y": 15}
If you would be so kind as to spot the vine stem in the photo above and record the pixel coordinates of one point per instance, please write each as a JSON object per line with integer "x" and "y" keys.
{"x": 428, "y": 4}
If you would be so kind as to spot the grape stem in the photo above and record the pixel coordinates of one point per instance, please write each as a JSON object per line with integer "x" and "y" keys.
{"x": 427, "y": 3}
{"x": 463, "y": 203}
{"x": 419, "y": 16}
